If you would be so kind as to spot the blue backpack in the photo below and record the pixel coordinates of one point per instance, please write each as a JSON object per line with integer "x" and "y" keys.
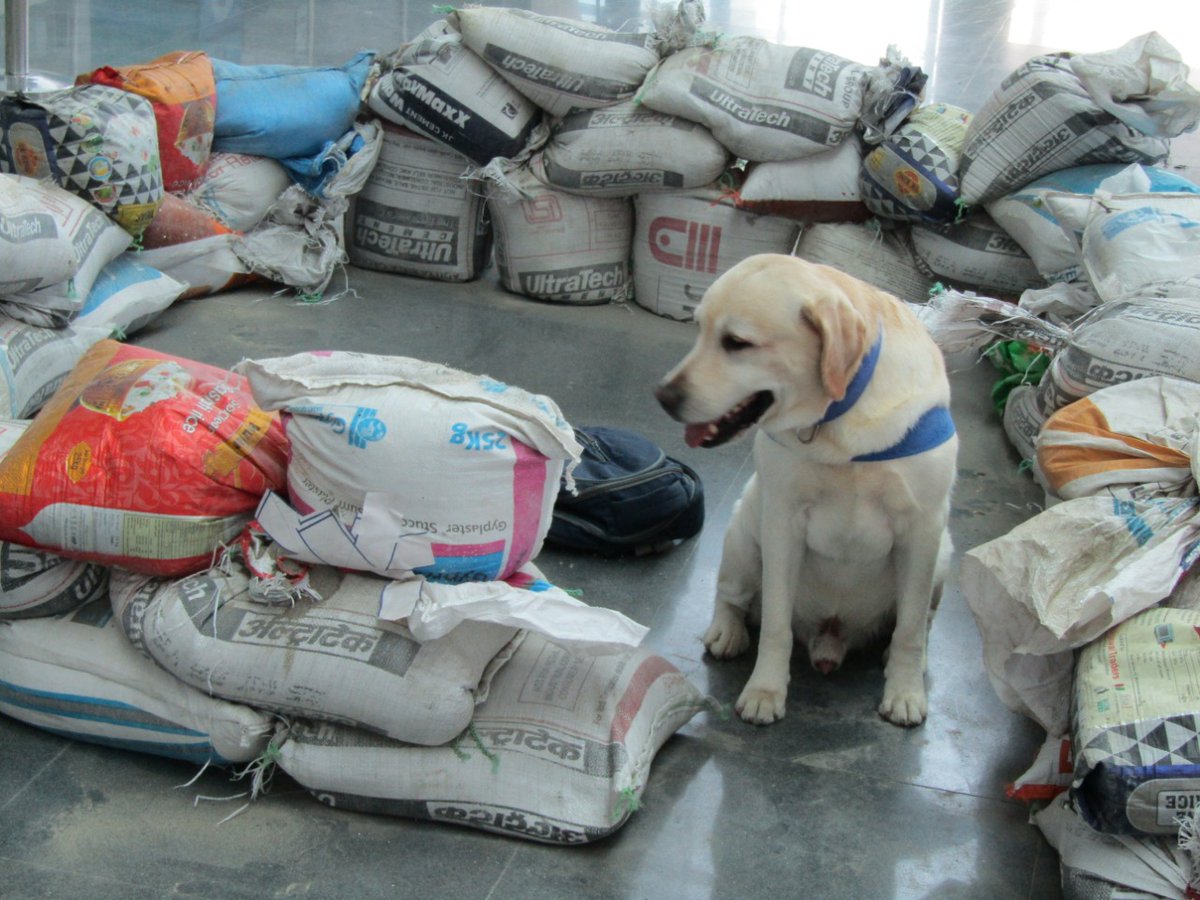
{"x": 631, "y": 498}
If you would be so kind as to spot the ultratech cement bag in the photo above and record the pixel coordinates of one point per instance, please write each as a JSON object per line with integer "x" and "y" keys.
{"x": 438, "y": 471}
{"x": 627, "y": 149}
{"x": 1138, "y": 438}
{"x": 1061, "y": 110}
{"x": 331, "y": 659}
{"x": 1135, "y": 729}
{"x": 559, "y": 752}
{"x": 561, "y": 247}
{"x": 239, "y": 189}
{"x": 765, "y": 101}
{"x": 1041, "y": 229}
{"x": 77, "y": 676}
{"x": 1023, "y": 421}
{"x": 142, "y": 460}
{"x": 882, "y": 258}
{"x": 98, "y": 142}
{"x": 912, "y": 175}
{"x": 1122, "y": 341}
{"x": 34, "y": 361}
{"x": 559, "y": 64}
{"x": 978, "y": 252}
{"x": 445, "y": 91}
{"x": 417, "y": 214}
{"x": 819, "y": 188}
{"x": 683, "y": 240}
{"x": 181, "y": 88}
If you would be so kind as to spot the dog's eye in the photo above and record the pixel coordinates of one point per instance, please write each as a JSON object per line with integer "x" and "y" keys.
{"x": 732, "y": 343}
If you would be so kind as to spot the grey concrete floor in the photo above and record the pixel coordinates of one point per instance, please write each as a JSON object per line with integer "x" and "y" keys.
{"x": 831, "y": 802}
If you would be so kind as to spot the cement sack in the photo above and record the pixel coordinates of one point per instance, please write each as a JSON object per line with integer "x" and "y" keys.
{"x": 333, "y": 659}
{"x": 819, "y": 188}
{"x": 559, "y": 752}
{"x": 127, "y": 296}
{"x": 48, "y": 236}
{"x": 1023, "y": 421}
{"x": 684, "y": 240}
{"x": 1139, "y": 439}
{"x": 442, "y": 89}
{"x": 882, "y": 258}
{"x": 1042, "y": 229}
{"x": 417, "y": 215}
{"x": 978, "y": 252}
{"x": 100, "y": 143}
{"x": 239, "y": 189}
{"x": 207, "y": 266}
{"x": 34, "y": 361}
{"x": 558, "y": 246}
{"x": 141, "y": 460}
{"x": 1135, "y": 725}
{"x": 912, "y": 175}
{"x": 766, "y": 101}
{"x": 77, "y": 676}
{"x": 627, "y": 149}
{"x": 1058, "y": 581}
{"x": 1062, "y": 110}
{"x": 286, "y": 112}
{"x": 438, "y": 471}
{"x": 181, "y": 89}
{"x": 559, "y": 64}
{"x": 1122, "y": 341}
{"x": 1135, "y": 243}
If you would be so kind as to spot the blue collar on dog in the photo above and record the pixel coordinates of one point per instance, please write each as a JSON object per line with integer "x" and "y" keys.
{"x": 933, "y": 429}
{"x": 857, "y": 384}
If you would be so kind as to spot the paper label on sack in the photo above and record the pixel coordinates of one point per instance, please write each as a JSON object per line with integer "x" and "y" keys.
{"x": 321, "y": 538}
{"x": 432, "y": 610}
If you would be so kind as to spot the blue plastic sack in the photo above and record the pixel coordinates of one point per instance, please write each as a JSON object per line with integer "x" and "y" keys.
{"x": 286, "y": 112}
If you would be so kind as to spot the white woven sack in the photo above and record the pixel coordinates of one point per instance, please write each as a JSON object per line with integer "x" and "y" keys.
{"x": 882, "y": 258}
{"x": 78, "y": 676}
{"x": 976, "y": 252}
{"x": 39, "y": 583}
{"x": 627, "y": 149}
{"x": 128, "y": 295}
{"x": 559, "y": 753}
{"x": 1023, "y": 420}
{"x": 684, "y": 240}
{"x": 453, "y": 475}
{"x": 827, "y": 179}
{"x": 560, "y": 64}
{"x": 561, "y": 247}
{"x": 417, "y": 215}
{"x": 763, "y": 101}
{"x": 34, "y": 361}
{"x": 442, "y": 89}
{"x": 332, "y": 659}
{"x": 238, "y": 189}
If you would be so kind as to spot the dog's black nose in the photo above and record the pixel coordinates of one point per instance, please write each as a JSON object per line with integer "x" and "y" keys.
{"x": 670, "y": 396}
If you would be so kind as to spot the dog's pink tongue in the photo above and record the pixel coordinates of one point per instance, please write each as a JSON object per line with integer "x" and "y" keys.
{"x": 694, "y": 435}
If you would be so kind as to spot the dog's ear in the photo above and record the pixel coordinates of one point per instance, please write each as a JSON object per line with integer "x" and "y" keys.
{"x": 843, "y": 333}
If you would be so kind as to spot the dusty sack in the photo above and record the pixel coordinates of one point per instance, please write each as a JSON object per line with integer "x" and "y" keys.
{"x": 442, "y": 89}
{"x": 36, "y": 583}
{"x": 819, "y": 188}
{"x": 142, "y": 460}
{"x": 239, "y": 189}
{"x": 417, "y": 215}
{"x": 561, "y": 247}
{"x": 35, "y": 360}
{"x": 683, "y": 240}
{"x": 439, "y": 471}
{"x": 558, "y": 753}
{"x": 331, "y": 659}
{"x": 77, "y": 676}
{"x": 882, "y": 258}
{"x": 627, "y": 149}
{"x": 976, "y": 251}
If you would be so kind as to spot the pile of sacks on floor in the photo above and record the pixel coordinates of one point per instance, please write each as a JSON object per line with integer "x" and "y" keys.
{"x": 382, "y": 634}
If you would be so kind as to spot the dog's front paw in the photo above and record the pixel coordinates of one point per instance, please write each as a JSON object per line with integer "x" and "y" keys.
{"x": 761, "y": 706}
{"x": 727, "y": 635}
{"x": 905, "y": 706}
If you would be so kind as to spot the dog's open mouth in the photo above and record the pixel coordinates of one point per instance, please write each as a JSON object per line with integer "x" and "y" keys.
{"x": 730, "y": 425}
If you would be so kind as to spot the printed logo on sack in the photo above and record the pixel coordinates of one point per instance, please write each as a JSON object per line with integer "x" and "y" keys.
{"x": 542, "y": 210}
{"x": 361, "y": 430}
{"x": 685, "y": 245}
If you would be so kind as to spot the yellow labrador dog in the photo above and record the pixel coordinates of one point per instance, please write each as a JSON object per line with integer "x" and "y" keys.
{"x": 841, "y": 532}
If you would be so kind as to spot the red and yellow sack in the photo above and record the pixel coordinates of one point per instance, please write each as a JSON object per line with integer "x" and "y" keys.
{"x": 181, "y": 88}
{"x": 141, "y": 460}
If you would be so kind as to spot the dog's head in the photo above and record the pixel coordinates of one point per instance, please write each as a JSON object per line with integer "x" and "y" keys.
{"x": 780, "y": 340}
